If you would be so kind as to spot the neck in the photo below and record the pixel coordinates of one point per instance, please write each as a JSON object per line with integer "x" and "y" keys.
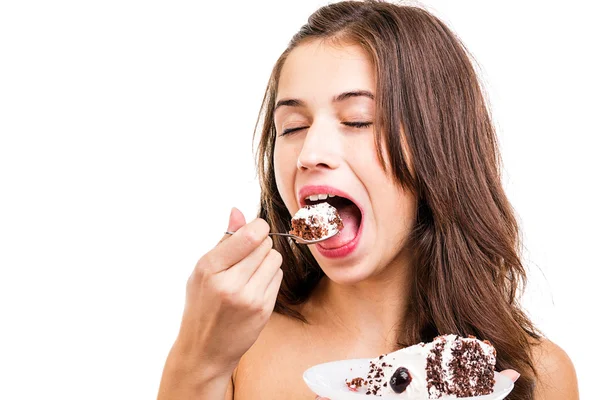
{"x": 370, "y": 313}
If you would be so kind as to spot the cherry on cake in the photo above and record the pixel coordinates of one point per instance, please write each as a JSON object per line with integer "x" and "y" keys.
{"x": 316, "y": 221}
{"x": 448, "y": 367}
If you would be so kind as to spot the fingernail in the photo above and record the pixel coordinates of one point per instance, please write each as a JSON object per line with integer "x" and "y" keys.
{"x": 518, "y": 375}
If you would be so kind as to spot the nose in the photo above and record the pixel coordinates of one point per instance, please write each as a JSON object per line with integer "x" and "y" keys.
{"x": 320, "y": 149}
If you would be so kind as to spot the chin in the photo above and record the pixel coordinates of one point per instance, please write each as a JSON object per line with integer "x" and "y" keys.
{"x": 347, "y": 274}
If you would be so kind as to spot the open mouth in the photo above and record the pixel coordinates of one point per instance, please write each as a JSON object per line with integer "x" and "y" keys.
{"x": 350, "y": 214}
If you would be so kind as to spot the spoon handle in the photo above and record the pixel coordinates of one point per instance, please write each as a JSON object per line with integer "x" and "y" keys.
{"x": 271, "y": 233}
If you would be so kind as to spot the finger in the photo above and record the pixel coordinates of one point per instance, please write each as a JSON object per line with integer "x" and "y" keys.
{"x": 242, "y": 271}
{"x": 236, "y": 221}
{"x": 243, "y": 242}
{"x": 511, "y": 374}
{"x": 273, "y": 289}
{"x": 264, "y": 274}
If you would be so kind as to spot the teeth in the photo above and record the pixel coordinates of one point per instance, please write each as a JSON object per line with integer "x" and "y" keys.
{"x": 320, "y": 196}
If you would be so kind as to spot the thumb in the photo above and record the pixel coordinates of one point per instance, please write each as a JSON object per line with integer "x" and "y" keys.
{"x": 236, "y": 221}
{"x": 511, "y": 373}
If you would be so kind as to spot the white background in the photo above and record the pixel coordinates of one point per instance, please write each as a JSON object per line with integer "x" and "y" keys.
{"x": 126, "y": 137}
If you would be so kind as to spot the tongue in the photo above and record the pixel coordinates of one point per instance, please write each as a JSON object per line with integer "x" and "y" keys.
{"x": 351, "y": 218}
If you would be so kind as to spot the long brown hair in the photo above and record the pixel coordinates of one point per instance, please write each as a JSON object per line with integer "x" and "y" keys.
{"x": 466, "y": 241}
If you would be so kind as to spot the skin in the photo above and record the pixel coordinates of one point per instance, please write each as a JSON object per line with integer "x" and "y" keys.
{"x": 330, "y": 152}
{"x": 356, "y": 308}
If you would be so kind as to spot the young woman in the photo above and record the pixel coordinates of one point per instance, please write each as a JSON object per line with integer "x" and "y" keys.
{"x": 379, "y": 105}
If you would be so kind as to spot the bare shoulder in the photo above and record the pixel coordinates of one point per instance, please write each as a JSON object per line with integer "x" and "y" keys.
{"x": 556, "y": 374}
{"x": 267, "y": 342}
{"x": 265, "y": 371}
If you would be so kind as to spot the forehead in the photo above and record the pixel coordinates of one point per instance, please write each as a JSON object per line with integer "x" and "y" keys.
{"x": 317, "y": 69}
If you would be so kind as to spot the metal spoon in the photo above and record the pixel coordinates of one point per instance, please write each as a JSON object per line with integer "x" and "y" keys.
{"x": 298, "y": 239}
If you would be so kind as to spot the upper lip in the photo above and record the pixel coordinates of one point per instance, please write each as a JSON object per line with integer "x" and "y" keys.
{"x": 309, "y": 190}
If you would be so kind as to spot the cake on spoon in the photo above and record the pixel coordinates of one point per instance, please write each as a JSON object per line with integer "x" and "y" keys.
{"x": 316, "y": 221}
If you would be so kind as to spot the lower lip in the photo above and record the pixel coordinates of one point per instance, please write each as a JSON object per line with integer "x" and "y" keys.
{"x": 344, "y": 250}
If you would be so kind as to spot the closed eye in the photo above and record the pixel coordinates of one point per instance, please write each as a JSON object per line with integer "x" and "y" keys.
{"x": 290, "y": 130}
{"x": 357, "y": 125}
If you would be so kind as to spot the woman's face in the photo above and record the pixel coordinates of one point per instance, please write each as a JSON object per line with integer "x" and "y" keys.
{"x": 325, "y": 145}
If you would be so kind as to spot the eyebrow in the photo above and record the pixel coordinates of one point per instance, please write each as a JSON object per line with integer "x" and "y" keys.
{"x": 336, "y": 99}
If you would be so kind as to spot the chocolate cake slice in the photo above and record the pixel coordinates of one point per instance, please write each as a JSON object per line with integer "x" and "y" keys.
{"x": 463, "y": 367}
{"x": 448, "y": 367}
{"x": 316, "y": 221}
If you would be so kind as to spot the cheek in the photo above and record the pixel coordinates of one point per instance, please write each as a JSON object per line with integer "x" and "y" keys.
{"x": 395, "y": 215}
{"x": 284, "y": 165}
{"x": 387, "y": 199}
{"x": 405, "y": 209}
{"x": 364, "y": 162}
{"x": 402, "y": 205}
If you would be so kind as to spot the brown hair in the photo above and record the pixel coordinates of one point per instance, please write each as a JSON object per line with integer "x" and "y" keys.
{"x": 465, "y": 242}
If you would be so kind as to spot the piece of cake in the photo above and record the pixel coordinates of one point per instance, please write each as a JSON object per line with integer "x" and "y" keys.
{"x": 448, "y": 367}
{"x": 316, "y": 221}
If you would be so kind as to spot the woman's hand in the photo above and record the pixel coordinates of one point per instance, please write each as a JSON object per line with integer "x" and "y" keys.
{"x": 230, "y": 296}
{"x": 510, "y": 373}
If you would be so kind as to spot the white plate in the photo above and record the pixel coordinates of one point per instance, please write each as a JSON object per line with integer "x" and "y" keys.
{"x": 329, "y": 380}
